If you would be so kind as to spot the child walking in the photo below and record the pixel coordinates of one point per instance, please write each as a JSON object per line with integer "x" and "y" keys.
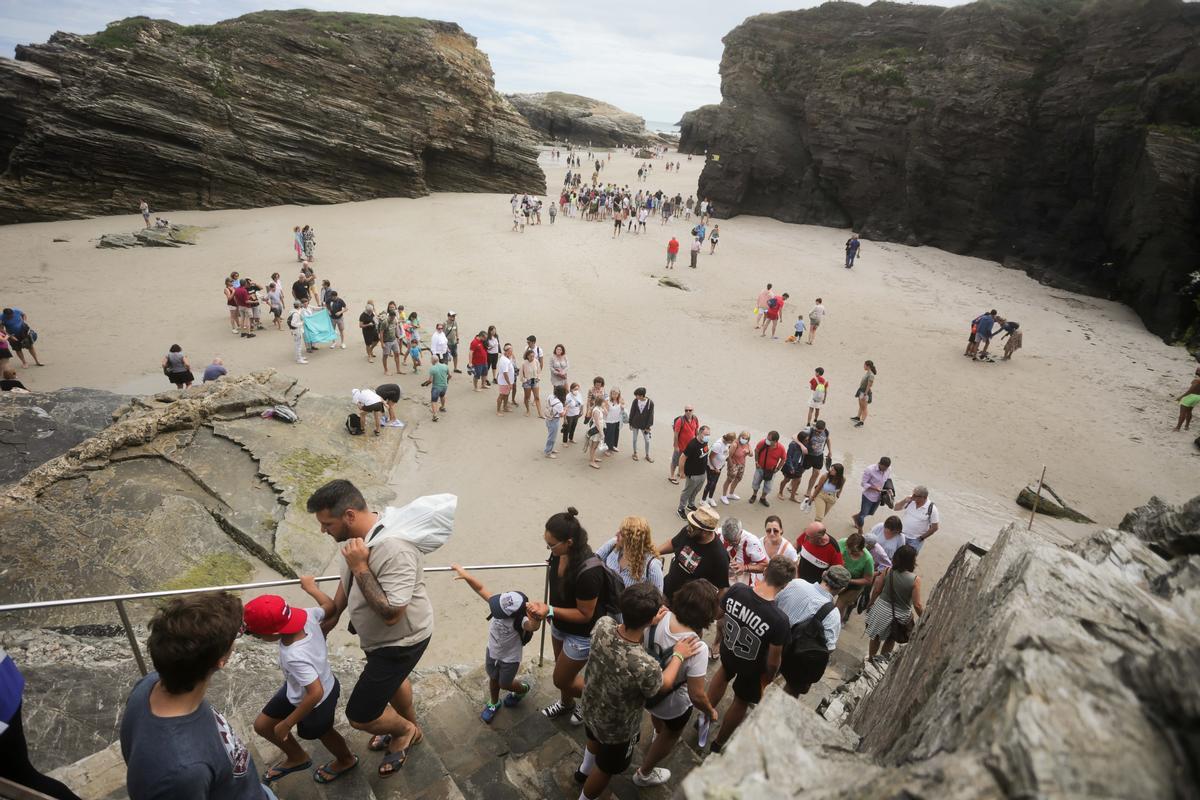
{"x": 509, "y": 631}
{"x": 309, "y": 697}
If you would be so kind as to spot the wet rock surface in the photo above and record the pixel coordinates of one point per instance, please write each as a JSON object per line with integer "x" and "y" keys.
{"x": 232, "y": 115}
{"x": 1037, "y": 671}
{"x": 1062, "y": 139}
{"x": 39, "y": 426}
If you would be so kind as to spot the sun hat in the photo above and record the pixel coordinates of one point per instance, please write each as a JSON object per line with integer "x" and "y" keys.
{"x": 704, "y": 518}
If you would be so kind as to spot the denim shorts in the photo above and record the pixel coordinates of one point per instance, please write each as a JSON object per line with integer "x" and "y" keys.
{"x": 574, "y": 647}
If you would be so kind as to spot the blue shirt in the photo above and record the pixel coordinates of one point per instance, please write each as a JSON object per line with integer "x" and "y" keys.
{"x": 984, "y": 326}
{"x": 214, "y": 371}
{"x": 12, "y": 684}
{"x": 15, "y": 323}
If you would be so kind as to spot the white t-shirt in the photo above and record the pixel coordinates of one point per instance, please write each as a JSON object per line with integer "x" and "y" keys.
{"x": 438, "y": 344}
{"x": 917, "y": 521}
{"x": 306, "y": 660}
{"x": 890, "y": 546}
{"x": 574, "y": 404}
{"x": 817, "y": 314}
{"x": 787, "y": 551}
{"x": 614, "y": 413}
{"x": 694, "y": 667}
{"x": 718, "y": 451}
{"x": 747, "y": 550}
{"x": 555, "y": 406}
{"x": 504, "y": 371}
{"x": 493, "y": 345}
{"x": 366, "y": 397}
{"x": 504, "y": 643}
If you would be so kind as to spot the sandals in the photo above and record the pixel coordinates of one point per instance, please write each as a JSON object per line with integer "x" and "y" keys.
{"x": 673, "y": 480}
{"x": 394, "y": 761}
{"x": 283, "y": 772}
{"x": 333, "y": 774}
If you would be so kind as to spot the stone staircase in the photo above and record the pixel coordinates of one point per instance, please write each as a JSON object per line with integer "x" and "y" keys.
{"x": 522, "y": 755}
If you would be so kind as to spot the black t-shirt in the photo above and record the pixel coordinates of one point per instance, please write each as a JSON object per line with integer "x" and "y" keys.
{"x": 8, "y": 384}
{"x": 694, "y": 561}
{"x": 563, "y": 592}
{"x": 696, "y": 454}
{"x": 299, "y": 290}
{"x": 367, "y": 318}
{"x": 751, "y": 624}
{"x": 336, "y": 307}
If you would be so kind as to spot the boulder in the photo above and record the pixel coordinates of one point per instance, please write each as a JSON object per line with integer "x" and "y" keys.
{"x": 1062, "y": 138}
{"x": 118, "y": 240}
{"x": 233, "y": 115}
{"x": 39, "y": 426}
{"x": 1168, "y": 530}
{"x": 580, "y": 120}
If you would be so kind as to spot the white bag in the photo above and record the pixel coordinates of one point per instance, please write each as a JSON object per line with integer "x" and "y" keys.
{"x": 427, "y": 522}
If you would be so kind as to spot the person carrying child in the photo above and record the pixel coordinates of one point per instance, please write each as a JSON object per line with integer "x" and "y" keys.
{"x": 309, "y": 696}
{"x": 509, "y": 630}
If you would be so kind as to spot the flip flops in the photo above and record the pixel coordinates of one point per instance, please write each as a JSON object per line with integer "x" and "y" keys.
{"x": 283, "y": 772}
{"x": 334, "y": 774}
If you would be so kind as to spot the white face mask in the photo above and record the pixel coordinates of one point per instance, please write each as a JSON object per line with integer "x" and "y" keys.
{"x": 744, "y": 441}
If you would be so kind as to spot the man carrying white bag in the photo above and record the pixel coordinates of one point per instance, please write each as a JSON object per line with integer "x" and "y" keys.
{"x": 383, "y": 586}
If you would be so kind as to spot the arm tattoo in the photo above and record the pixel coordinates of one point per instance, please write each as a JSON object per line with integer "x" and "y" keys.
{"x": 373, "y": 593}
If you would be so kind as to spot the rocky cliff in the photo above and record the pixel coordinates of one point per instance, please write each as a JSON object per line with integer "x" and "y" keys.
{"x": 1062, "y": 138}
{"x": 696, "y": 129}
{"x": 269, "y": 108}
{"x": 1037, "y": 671}
{"x": 581, "y": 120}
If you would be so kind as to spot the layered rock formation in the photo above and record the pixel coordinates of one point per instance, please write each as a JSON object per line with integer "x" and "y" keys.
{"x": 581, "y": 120}
{"x": 1060, "y": 138}
{"x": 182, "y": 489}
{"x": 269, "y": 108}
{"x": 1037, "y": 671}
{"x": 696, "y": 129}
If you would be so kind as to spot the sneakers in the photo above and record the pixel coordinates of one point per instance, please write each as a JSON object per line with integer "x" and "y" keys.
{"x": 753, "y": 497}
{"x": 682, "y": 514}
{"x": 333, "y": 346}
{"x": 343, "y": 347}
{"x": 557, "y": 709}
{"x": 577, "y": 716}
{"x": 763, "y": 502}
{"x": 859, "y": 424}
{"x": 734, "y": 497}
{"x": 724, "y": 499}
{"x": 513, "y": 698}
{"x": 301, "y": 360}
{"x": 805, "y": 504}
{"x": 657, "y": 777}
{"x": 489, "y": 712}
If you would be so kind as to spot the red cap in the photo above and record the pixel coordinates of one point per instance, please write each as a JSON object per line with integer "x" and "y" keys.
{"x": 270, "y": 615}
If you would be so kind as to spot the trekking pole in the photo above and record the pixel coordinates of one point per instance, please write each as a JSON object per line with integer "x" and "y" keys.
{"x": 1036, "y": 498}
{"x": 545, "y": 599}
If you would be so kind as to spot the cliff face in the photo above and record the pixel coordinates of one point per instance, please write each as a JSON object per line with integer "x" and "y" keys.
{"x": 581, "y": 120}
{"x": 696, "y": 128}
{"x": 1061, "y": 138}
{"x": 269, "y": 108}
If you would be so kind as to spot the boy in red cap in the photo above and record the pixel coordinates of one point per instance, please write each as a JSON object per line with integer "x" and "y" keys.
{"x": 309, "y": 697}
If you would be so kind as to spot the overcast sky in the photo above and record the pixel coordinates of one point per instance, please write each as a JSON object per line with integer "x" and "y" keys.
{"x": 654, "y": 59}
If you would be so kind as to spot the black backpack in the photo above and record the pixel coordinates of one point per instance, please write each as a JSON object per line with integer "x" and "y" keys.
{"x": 354, "y": 425}
{"x": 809, "y": 636}
{"x": 608, "y": 602}
{"x": 663, "y": 655}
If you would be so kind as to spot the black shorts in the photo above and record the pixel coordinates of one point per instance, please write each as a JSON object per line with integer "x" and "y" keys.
{"x": 746, "y": 677}
{"x": 814, "y": 461}
{"x": 791, "y": 474}
{"x": 373, "y": 407}
{"x": 390, "y": 392}
{"x": 804, "y": 670}
{"x": 678, "y": 723}
{"x": 385, "y": 670}
{"x": 971, "y": 339}
{"x": 612, "y": 758}
{"x": 318, "y": 722}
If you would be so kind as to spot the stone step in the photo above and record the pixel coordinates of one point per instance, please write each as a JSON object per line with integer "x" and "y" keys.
{"x": 353, "y": 785}
{"x": 100, "y": 776}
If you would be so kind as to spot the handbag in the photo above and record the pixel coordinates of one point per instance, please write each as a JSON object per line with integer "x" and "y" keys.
{"x": 900, "y": 630}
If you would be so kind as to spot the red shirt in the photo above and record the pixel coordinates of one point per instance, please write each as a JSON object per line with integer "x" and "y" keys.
{"x": 685, "y": 431}
{"x": 673, "y": 246}
{"x": 816, "y": 381}
{"x": 769, "y": 456}
{"x": 773, "y": 313}
{"x": 478, "y": 353}
{"x": 241, "y": 296}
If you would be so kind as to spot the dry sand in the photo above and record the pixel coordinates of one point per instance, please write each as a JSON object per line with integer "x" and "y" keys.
{"x": 1090, "y": 395}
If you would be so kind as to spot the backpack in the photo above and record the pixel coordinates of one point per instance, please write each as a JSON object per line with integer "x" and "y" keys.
{"x": 284, "y": 413}
{"x": 354, "y": 425}
{"x": 608, "y": 601}
{"x": 289, "y": 321}
{"x": 772, "y": 302}
{"x": 809, "y": 636}
{"x": 663, "y": 656}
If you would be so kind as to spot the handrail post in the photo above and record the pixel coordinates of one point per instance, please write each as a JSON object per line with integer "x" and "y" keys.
{"x": 545, "y": 599}
{"x": 1036, "y": 498}
{"x": 133, "y": 645}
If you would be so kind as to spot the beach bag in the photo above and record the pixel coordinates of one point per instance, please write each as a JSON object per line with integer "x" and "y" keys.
{"x": 663, "y": 656}
{"x": 887, "y": 495}
{"x": 426, "y": 522}
{"x": 809, "y": 636}
{"x": 354, "y": 425}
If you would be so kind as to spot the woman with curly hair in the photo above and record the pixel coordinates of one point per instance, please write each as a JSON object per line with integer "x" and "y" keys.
{"x": 631, "y": 554}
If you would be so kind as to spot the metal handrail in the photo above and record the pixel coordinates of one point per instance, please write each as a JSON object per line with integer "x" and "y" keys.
{"x": 119, "y": 600}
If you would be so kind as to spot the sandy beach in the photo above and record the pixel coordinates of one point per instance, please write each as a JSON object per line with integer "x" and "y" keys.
{"x": 1091, "y": 395}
